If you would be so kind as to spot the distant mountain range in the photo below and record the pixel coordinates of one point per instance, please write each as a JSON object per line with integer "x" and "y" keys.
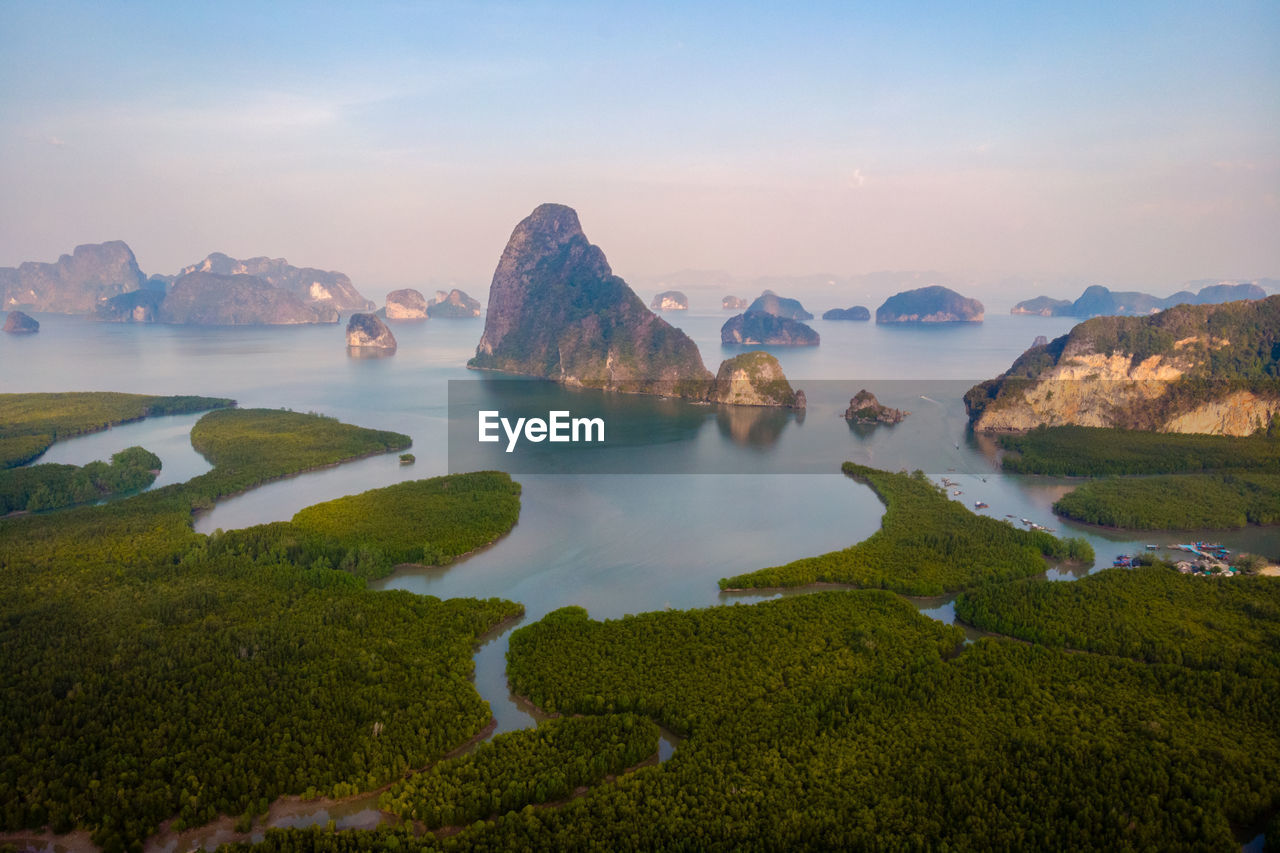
{"x": 104, "y": 280}
{"x": 1097, "y": 301}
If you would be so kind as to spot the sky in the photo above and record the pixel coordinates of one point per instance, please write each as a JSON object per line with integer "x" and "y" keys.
{"x": 1127, "y": 144}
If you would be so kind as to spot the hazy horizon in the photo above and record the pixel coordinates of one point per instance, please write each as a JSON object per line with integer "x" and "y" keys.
{"x": 1135, "y": 146}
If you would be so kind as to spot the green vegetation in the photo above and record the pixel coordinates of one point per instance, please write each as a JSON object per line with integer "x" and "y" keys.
{"x": 1212, "y": 481}
{"x": 50, "y": 486}
{"x": 29, "y": 423}
{"x": 407, "y": 459}
{"x": 272, "y": 443}
{"x": 148, "y": 672}
{"x": 681, "y": 667}
{"x": 1074, "y": 451}
{"x": 926, "y": 545}
{"x": 1176, "y": 501}
{"x": 1151, "y": 613}
{"x": 519, "y": 768}
{"x": 844, "y": 720}
{"x": 430, "y": 522}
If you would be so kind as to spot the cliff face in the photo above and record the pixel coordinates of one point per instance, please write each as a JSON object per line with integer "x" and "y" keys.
{"x": 670, "y": 300}
{"x": 18, "y": 323}
{"x": 74, "y": 283}
{"x": 407, "y": 304}
{"x": 138, "y": 306}
{"x": 857, "y": 312}
{"x": 754, "y": 379}
{"x": 932, "y": 304}
{"x": 1211, "y": 368}
{"x": 767, "y": 329}
{"x": 209, "y": 299}
{"x": 453, "y": 305}
{"x": 332, "y": 290}
{"x": 367, "y": 331}
{"x": 556, "y": 310}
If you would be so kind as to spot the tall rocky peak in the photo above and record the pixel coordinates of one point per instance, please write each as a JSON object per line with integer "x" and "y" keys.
{"x": 556, "y": 310}
{"x": 546, "y": 245}
{"x": 74, "y": 283}
{"x": 319, "y": 287}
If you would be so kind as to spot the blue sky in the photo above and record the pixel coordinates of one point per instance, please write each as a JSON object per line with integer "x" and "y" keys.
{"x": 1131, "y": 143}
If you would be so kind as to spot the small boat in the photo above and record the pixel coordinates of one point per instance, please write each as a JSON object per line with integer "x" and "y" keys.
{"x": 1026, "y": 521}
{"x": 1009, "y": 515}
{"x": 1152, "y": 547}
{"x": 980, "y": 504}
{"x": 957, "y": 492}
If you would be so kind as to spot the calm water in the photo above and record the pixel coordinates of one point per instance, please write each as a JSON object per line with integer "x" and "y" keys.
{"x": 613, "y": 543}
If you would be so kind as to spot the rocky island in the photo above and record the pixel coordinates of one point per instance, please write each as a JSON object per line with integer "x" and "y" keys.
{"x": 19, "y": 323}
{"x": 212, "y": 299}
{"x": 75, "y": 283}
{"x": 933, "y": 304}
{"x": 1042, "y": 306}
{"x": 320, "y": 288}
{"x": 1191, "y": 368}
{"x": 771, "y": 320}
{"x": 779, "y": 306}
{"x": 557, "y": 311}
{"x": 670, "y": 300}
{"x": 1097, "y": 301}
{"x": 753, "y": 328}
{"x": 755, "y": 379}
{"x": 406, "y": 304}
{"x": 453, "y": 305}
{"x": 366, "y": 331}
{"x": 857, "y": 313}
{"x": 864, "y": 408}
{"x": 733, "y": 303}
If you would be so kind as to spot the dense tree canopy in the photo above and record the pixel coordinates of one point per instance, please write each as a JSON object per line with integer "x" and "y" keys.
{"x": 146, "y": 672}
{"x": 51, "y": 486}
{"x": 29, "y": 423}
{"x": 845, "y": 720}
{"x": 1076, "y": 451}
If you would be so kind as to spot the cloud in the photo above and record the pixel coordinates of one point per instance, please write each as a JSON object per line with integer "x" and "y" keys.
{"x": 856, "y": 179}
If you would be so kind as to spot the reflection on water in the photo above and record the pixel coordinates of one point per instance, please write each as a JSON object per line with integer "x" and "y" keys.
{"x": 757, "y": 427}
{"x": 370, "y": 352}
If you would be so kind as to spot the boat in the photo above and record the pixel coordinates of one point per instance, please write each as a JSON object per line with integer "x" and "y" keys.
{"x": 1152, "y": 547}
{"x": 980, "y": 504}
{"x": 957, "y": 492}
